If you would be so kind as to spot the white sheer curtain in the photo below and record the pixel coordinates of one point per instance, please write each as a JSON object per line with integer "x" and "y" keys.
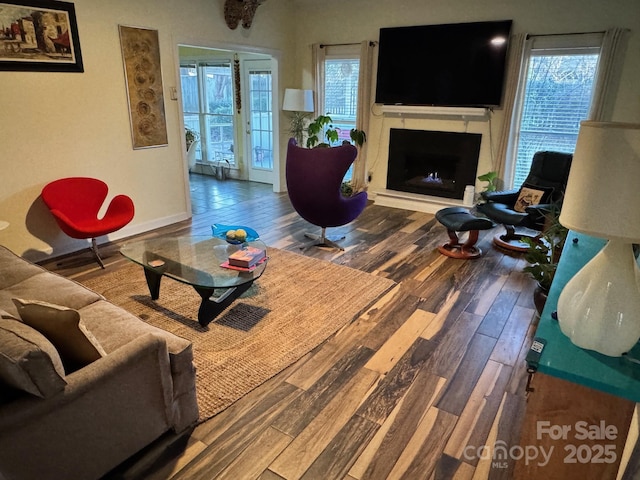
{"x": 359, "y": 177}
{"x": 517, "y": 59}
{"x": 609, "y": 66}
{"x": 318, "y": 54}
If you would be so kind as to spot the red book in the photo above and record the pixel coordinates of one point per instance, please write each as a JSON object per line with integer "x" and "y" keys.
{"x": 247, "y": 257}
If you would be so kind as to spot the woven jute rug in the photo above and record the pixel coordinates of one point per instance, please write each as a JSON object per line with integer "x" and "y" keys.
{"x": 297, "y": 304}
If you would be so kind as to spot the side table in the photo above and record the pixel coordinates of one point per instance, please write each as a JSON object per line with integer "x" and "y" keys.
{"x": 583, "y": 402}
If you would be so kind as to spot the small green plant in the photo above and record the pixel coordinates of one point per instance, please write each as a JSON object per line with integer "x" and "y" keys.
{"x": 190, "y": 136}
{"x": 321, "y": 124}
{"x": 346, "y": 189}
{"x": 358, "y": 136}
{"x": 543, "y": 253}
{"x": 322, "y": 127}
{"x": 297, "y": 126}
{"x": 492, "y": 181}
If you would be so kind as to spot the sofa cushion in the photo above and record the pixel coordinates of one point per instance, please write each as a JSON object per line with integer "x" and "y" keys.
{"x": 28, "y": 361}
{"x": 14, "y": 269}
{"x": 47, "y": 287}
{"x": 63, "y": 327}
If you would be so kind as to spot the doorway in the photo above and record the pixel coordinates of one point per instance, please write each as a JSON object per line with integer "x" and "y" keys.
{"x": 227, "y": 98}
{"x": 259, "y": 120}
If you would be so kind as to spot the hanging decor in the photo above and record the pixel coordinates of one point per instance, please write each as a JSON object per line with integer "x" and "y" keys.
{"x": 236, "y": 11}
{"x": 39, "y": 36}
{"x": 236, "y": 79}
{"x": 141, "y": 55}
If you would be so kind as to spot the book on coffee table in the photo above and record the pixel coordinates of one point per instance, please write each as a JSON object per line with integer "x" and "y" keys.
{"x": 247, "y": 257}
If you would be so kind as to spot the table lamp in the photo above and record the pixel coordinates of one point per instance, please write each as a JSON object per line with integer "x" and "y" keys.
{"x": 599, "y": 308}
{"x": 300, "y": 102}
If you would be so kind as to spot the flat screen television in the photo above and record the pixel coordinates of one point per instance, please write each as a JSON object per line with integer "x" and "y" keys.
{"x": 450, "y": 65}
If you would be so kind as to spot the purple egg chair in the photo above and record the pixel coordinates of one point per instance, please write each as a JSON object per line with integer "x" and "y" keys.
{"x": 314, "y": 177}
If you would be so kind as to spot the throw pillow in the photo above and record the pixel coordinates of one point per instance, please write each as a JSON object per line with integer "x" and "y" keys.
{"x": 531, "y": 195}
{"x": 28, "y": 361}
{"x": 63, "y": 327}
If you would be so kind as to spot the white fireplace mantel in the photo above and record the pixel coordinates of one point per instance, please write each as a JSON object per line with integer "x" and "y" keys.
{"x": 464, "y": 113}
{"x": 414, "y": 201}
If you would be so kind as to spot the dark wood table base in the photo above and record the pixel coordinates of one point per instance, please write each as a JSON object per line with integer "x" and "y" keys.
{"x": 209, "y": 309}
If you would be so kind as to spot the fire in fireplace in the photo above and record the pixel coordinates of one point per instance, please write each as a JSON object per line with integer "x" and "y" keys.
{"x": 432, "y": 163}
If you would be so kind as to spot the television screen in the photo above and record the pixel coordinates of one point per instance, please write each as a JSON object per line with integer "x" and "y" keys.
{"x": 454, "y": 65}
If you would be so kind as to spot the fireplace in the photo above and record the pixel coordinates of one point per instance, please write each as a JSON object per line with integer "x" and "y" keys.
{"x": 439, "y": 164}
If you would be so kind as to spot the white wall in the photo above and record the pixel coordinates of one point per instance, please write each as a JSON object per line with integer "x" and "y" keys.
{"x": 77, "y": 124}
{"x": 335, "y": 21}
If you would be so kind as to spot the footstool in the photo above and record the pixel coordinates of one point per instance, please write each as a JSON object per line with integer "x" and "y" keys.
{"x": 458, "y": 219}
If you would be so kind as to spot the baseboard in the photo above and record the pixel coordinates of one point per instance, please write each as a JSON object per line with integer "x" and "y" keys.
{"x": 130, "y": 230}
{"x": 414, "y": 201}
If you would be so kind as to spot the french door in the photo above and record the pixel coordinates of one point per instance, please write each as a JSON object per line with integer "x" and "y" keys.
{"x": 258, "y": 120}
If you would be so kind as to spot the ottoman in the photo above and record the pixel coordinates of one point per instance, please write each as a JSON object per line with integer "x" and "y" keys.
{"x": 458, "y": 219}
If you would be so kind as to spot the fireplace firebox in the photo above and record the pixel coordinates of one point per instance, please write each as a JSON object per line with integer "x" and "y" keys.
{"x": 439, "y": 164}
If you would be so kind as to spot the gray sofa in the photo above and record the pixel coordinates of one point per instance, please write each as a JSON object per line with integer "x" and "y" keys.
{"x": 83, "y": 423}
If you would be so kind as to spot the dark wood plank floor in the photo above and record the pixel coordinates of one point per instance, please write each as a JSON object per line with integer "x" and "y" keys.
{"x": 412, "y": 389}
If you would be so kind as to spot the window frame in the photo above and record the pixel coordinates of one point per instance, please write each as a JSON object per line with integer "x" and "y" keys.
{"x": 561, "y": 44}
{"x": 207, "y": 153}
{"x": 333, "y": 53}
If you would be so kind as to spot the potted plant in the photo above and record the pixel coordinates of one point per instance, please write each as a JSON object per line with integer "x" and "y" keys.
{"x": 190, "y": 136}
{"x": 322, "y": 126}
{"x": 543, "y": 255}
{"x": 191, "y": 139}
{"x": 492, "y": 181}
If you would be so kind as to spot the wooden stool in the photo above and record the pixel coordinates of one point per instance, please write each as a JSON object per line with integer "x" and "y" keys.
{"x": 458, "y": 219}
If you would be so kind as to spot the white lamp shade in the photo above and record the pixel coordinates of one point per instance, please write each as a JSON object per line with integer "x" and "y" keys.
{"x": 296, "y": 100}
{"x": 602, "y": 198}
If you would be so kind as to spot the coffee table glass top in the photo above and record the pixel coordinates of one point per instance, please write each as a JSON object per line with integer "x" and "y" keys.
{"x": 194, "y": 260}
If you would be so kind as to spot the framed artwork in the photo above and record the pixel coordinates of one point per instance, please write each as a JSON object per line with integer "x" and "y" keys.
{"x": 141, "y": 56}
{"x": 39, "y": 35}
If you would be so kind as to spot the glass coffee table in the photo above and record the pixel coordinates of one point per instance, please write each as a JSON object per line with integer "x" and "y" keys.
{"x": 195, "y": 261}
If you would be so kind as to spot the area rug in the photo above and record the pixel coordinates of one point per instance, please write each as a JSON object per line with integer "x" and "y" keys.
{"x": 297, "y": 304}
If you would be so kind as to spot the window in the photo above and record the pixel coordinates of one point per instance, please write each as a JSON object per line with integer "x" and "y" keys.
{"x": 341, "y": 94}
{"x": 340, "y": 90}
{"x": 207, "y": 96}
{"x": 555, "y": 97}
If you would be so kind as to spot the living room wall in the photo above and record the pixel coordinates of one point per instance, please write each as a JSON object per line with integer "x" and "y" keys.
{"x": 63, "y": 124}
{"x": 336, "y": 21}
{"x": 77, "y": 124}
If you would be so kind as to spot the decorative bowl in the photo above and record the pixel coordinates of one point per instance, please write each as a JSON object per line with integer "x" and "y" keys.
{"x": 221, "y": 232}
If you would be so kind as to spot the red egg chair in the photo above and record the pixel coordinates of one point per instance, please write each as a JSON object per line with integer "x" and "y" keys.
{"x": 75, "y": 203}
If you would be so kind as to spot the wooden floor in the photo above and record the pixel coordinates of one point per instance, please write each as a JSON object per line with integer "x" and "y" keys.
{"x": 413, "y": 389}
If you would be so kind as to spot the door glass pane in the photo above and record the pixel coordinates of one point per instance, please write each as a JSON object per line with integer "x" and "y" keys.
{"x": 191, "y": 101}
{"x": 260, "y": 93}
{"x": 218, "y": 112}
{"x": 557, "y": 97}
{"x": 189, "y": 85}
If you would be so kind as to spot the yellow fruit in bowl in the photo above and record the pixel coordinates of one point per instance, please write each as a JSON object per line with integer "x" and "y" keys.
{"x": 231, "y": 235}
{"x": 241, "y": 235}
